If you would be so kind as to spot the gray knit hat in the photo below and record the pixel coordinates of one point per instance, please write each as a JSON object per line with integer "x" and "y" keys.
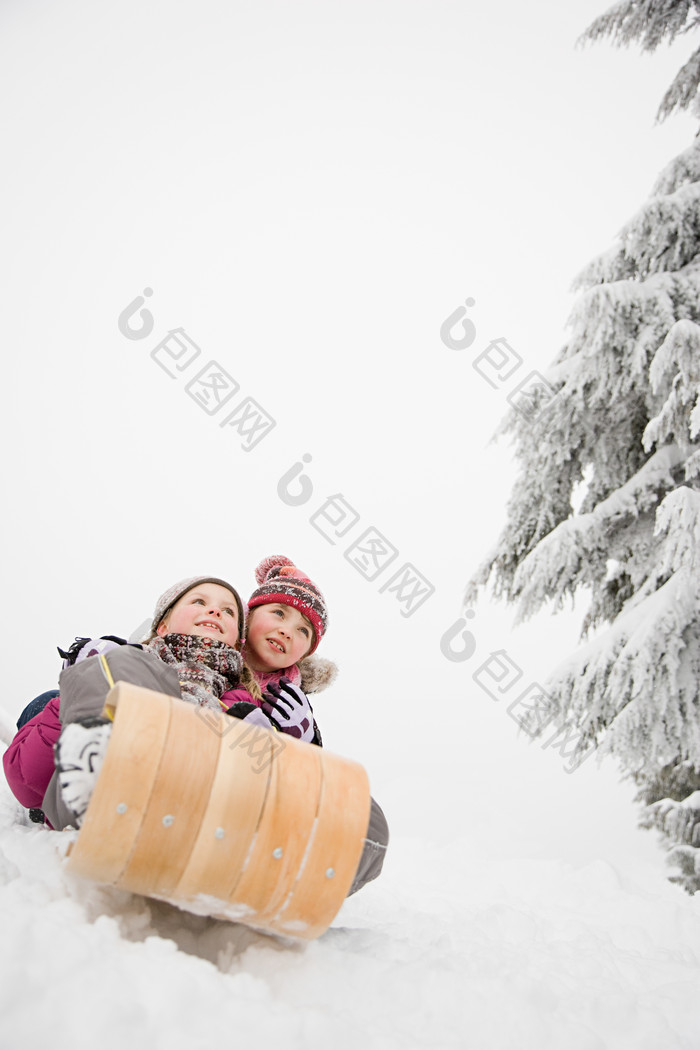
{"x": 174, "y": 593}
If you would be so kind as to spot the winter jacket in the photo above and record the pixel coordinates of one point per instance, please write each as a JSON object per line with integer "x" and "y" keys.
{"x": 29, "y": 760}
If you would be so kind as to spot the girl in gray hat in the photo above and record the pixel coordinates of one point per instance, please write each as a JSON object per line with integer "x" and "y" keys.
{"x": 192, "y": 651}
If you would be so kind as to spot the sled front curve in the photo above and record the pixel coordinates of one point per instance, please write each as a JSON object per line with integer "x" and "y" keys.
{"x": 222, "y": 818}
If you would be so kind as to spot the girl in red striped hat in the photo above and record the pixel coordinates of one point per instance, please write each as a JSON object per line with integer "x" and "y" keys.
{"x": 287, "y": 617}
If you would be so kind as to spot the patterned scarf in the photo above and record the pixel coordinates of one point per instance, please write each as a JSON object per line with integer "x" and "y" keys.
{"x": 206, "y": 667}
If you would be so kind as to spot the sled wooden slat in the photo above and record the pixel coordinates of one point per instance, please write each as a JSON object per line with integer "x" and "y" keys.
{"x": 222, "y": 818}
{"x": 285, "y": 828}
{"x": 233, "y": 813}
{"x": 118, "y": 804}
{"x": 176, "y": 807}
{"x": 334, "y": 851}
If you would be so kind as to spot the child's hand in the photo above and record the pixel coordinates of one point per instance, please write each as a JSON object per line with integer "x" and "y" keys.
{"x": 289, "y": 710}
{"x": 249, "y": 713}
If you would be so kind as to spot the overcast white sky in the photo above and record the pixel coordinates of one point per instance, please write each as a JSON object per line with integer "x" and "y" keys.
{"x": 309, "y": 190}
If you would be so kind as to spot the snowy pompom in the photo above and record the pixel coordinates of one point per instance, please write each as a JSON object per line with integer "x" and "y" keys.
{"x": 263, "y": 569}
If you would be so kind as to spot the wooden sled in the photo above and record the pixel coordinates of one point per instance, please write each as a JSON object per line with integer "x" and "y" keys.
{"x": 222, "y": 818}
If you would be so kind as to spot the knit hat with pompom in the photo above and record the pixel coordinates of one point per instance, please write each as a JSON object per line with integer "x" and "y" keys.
{"x": 283, "y": 584}
{"x": 174, "y": 593}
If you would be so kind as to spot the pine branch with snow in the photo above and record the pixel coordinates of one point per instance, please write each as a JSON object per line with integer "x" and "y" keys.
{"x": 607, "y": 504}
{"x": 676, "y": 816}
{"x": 650, "y": 23}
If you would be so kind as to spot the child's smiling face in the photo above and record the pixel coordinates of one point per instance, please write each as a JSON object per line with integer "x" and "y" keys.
{"x": 208, "y": 610}
{"x": 277, "y": 637}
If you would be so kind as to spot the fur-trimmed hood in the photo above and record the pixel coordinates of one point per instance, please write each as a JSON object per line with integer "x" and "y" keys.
{"x": 317, "y": 673}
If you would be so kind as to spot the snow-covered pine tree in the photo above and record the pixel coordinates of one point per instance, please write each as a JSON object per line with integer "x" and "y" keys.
{"x": 607, "y": 501}
{"x": 650, "y": 22}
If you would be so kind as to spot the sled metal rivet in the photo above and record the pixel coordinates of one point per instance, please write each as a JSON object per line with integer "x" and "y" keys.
{"x": 168, "y": 820}
{"x": 330, "y": 872}
{"x": 122, "y": 807}
{"x": 277, "y": 853}
{"x": 219, "y": 833}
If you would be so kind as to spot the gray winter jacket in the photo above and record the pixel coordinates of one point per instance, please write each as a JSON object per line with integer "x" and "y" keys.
{"x": 83, "y": 689}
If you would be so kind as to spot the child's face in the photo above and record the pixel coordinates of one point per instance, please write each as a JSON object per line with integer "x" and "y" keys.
{"x": 207, "y": 611}
{"x": 277, "y": 637}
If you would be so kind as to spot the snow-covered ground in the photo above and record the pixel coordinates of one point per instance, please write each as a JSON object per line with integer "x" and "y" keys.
{"x": 309, "y": 190}
{"x": 447, "y": 949}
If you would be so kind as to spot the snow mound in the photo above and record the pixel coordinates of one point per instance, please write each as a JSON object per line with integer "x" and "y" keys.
{"x": 447, "y": 949}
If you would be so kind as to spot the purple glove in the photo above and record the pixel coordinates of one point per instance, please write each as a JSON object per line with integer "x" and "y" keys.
{"x": 249, "y": 713}
{"x": 289, "y": 710}
{"x": 82, "y": 648}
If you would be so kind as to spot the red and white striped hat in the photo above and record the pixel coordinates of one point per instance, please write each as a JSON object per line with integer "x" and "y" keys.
{"x": 281, "y": 582}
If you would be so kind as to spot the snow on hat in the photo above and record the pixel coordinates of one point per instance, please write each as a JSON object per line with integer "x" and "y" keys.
{"x": 282, "y": 583}
{"x": 174, "y": 593}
